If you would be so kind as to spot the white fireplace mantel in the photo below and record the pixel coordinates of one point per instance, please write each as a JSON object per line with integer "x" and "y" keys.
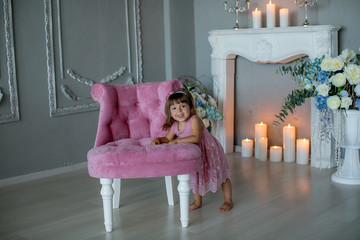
{"x": 268, "y": 45}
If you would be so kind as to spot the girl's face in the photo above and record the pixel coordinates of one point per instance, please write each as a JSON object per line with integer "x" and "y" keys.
{"x": 180, "y": 112}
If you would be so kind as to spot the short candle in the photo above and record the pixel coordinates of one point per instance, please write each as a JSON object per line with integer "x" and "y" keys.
{"x": 247, "y": 146}
{"x": 256, "y": 16}
{"x": 263, "y": 144}
{"x": 275, "y": 153}
{"x": 302, "y": 151}
{"x": 270, "y": 15}
{"x": 289, "y": 143}
{"x": 260, "y": 131}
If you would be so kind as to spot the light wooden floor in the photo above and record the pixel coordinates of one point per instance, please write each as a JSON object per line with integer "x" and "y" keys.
{"x": 272, "y": 201}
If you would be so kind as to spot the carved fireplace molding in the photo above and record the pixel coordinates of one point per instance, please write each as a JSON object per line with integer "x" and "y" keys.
{"x": 268, "y": 45}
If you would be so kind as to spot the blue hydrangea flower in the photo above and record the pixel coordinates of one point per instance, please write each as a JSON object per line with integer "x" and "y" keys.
{"x": 199, "y": 103}
{"x": 357, "y": 103}
{"x": 323, "y": 76}
{"x": 320, "y": 102}
{"x": 344, "y": 93}
{"x": 212, "y": 113}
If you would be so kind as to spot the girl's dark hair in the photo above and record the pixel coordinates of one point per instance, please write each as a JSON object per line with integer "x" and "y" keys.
{"x": 180, "y": 96}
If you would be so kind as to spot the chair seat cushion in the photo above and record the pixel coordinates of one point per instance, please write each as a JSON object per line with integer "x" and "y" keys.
{"x": 135, "y": 158}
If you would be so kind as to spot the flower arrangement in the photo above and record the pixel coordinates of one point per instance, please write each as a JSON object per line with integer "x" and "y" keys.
{"x": 334, "y": 82}
{"x": 206, "y": 107}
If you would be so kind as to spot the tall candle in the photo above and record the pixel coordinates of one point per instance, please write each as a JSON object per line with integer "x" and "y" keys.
{"x": 260, "y": 131}
{"x": 284, "y": 17}
{"x": 256, "y": 16}
{"x": 275, "y": 153}
{"x": 289, "y": 143}
{"x": 270, "y": 15}
{"x": 247, "y": 146}
{"x": 302, "y": 151}
{"x": 263, "y": 144}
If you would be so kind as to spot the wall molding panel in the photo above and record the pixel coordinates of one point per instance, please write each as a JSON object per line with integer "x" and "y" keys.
{"x": 102, "y": 45}
{"x": 9, "y": 103}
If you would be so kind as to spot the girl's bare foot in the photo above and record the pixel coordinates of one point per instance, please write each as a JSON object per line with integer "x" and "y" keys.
{"x": 227, "y": 205}
{"x": 197, "y": 202}
{"x": 194, "y": 206}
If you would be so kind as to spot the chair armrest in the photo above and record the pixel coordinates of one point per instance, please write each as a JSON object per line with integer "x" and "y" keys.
{"x": 106, "y": 96}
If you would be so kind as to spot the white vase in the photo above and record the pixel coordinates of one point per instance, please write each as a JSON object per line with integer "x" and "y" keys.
{"x": 349, "y": 171}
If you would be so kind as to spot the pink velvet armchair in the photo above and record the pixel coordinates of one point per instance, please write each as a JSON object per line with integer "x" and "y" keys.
{"x": 130, "y": 117}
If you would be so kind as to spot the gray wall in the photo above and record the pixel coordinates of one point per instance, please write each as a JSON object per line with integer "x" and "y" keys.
{"x": 39, "y": 142}
{"x": 259, "y": 91}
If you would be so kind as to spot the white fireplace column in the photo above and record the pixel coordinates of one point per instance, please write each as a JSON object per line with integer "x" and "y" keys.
{"x": 268, "y": 45}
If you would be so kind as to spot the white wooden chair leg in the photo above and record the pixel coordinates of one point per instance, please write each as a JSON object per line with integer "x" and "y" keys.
{"x": 184, "y": 192}
{"x": 117, "y": 190}
{"x": 169, "y": 189}
{"x": 107, "y": 193}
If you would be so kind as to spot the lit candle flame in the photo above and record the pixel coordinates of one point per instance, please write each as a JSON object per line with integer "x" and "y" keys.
{"x": 261, "y": 123}
{"x": 289, "y": 125}
{"x": 270, "y": 2}
{"x": 255, "y": 9}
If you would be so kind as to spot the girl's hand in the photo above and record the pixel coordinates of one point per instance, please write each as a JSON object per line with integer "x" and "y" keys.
{"x": 156, "y": 141}
{"x": 175, "y": 141}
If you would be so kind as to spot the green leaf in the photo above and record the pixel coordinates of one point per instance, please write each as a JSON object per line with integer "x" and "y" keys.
{"x": 285, "y": 112}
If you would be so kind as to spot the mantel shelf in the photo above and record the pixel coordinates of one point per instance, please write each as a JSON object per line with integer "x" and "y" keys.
{"x": 274, "y": 45}
{"x": 276, "y": 30}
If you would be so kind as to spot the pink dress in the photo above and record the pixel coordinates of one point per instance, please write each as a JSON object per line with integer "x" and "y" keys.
{"x": 215, "y": 169}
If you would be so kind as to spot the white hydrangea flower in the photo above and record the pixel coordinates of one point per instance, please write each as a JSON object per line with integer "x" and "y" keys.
{"x": 206, "y": 122}
{"x": 333, "y": 102}
{"x": 338, "y": 80}
{"x": 357, "y": 90}
{"x": 346, "y": 102}
{"x": 323, "y": 89}
{"x": 195, "y": 95}
{"x": 200, "y": 112}
{"x": 212, "y": 101}
{"x": 347, "y": 55}
{"x": 352, "y": 73}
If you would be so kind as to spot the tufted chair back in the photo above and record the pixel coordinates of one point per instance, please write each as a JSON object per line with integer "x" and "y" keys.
{"x": 131, "y": 111}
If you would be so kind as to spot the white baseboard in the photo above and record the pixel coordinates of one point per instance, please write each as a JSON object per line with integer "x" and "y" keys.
{"x": 42, "y": 174}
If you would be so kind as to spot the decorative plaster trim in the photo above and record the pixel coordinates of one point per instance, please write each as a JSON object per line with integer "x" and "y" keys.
{"x": 79, "y": 78}
{"x": 139, "y": 62}
{"x": 55, "y": 110}
{"x": 11, "y": 66}
{"x": 61, "y": 61}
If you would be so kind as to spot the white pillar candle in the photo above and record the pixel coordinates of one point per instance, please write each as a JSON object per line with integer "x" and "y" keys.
{"x": 263, "y": 144}
{"x": 256, "y": 16}
{"x": 247, "y": 146}
{"x": 270, "y": 15}
{"x": 289, "y": 143}
{"x": 260, "y": 131}
{"x": 275, "y": 153}
{"x": 302, "y": 151}
{"x": 284, "y": 17}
